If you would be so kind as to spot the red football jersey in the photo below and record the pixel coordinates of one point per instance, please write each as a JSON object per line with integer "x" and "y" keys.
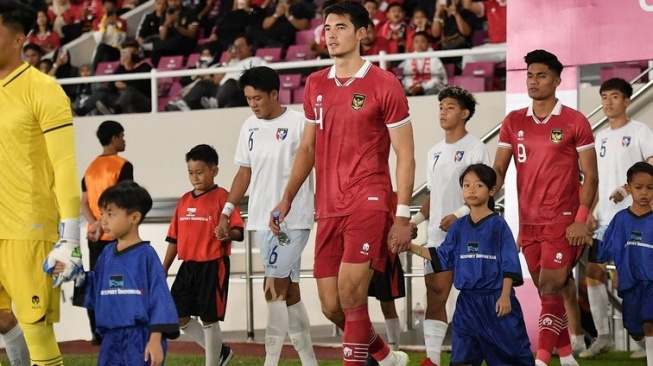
{"x": 546, "y": 157}
{"x": 352, "y": 140}
{"x": 193, "y": 225}
{"x": 495, "y": 12}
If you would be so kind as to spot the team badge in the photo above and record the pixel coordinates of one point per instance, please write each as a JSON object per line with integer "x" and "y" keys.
{"x": 556, "y": 136}
{"x": 459, "y": 156}
{"x": 282, "y": 133}
{"x": 636, "y": 236}
{"x": 472, "y": 247}
{"x": 190, "y": 211}
{"x": 116, "y": 281}
{"x": 357, "y": 101}
{"x": 520, "y": 135}
{"x": 625, "y": 141}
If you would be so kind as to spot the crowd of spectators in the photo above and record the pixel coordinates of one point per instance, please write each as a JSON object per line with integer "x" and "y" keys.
{"x": 185, "y": 27}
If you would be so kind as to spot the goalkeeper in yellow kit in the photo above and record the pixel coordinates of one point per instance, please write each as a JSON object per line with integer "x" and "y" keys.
{"x": 39, "y": 191}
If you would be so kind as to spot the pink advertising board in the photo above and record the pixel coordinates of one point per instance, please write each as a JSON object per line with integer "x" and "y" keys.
{"x": 580, "y": 32}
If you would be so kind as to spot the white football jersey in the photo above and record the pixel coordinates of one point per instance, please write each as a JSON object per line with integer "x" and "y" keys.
{"x": 616, "y": 151}
{"x": 269, "y": 147}
{"x": 445, "y": 163}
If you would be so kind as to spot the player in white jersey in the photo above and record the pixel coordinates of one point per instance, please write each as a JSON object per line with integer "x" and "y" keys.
{"x": 618, "y": 147}
{"x": 266, "y": 149}
{"x": 446, "y": 161}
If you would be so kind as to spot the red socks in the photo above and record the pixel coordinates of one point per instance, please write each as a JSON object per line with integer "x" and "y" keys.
{"x": 356, "y": 337}
{"x": 553, "y": 328}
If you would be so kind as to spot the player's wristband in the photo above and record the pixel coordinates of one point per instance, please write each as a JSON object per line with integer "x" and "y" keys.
{"x": 581, "y": 215}
{"x": 417, "y": 219}
{"x": 462, "y": 211}
{"x": 69, "y": 229}
{"x": 403, "y": 211}
{"x": 228, "y": 209}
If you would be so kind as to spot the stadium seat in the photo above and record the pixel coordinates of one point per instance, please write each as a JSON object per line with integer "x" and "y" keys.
{"x": 305, "y": 36}
{"x": 398, "y": 71}
{"x": 223, "y": 57}
{"x": 298, "y": 95}
{"x": 627, "y": 73}
{"x": 270, "y": 54}
{"x": 315, "y": 22}
{"x": 471, "y": 83}
{"x": 106, "y": 68}
{"x": 450, "y": 69}
{"x": 192, "y": 60}
{"x": 483, "y": 69}
{"x": 298, "y": 52}
{"x": 479, "y": 37}
{"x": 285, "y": 96}
{"x": 168, "y": 63}
{"x": 290, "y": 81}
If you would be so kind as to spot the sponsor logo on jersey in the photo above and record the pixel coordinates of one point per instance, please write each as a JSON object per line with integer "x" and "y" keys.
{"x": 357, "y": 101}
{"x": 348, "y": 352}
{"x": 36, "y": 302}
{"x": 318, "y": 100}
{"x": 459, "y": 156}
{"x": 625, "y": 141}
{"x": 636, "y": 236}
{"x": 282, "y": 133}
{"x": 520, "y": 135}
{"x": 556, "y": 136}
{"x": 365, "y": 249}
{"x": 558, "y": 258}
{"x": 190, "y": 211}
{"x": 116, "y": 281}
{"x": 547, "y": 321}
{"x": 472, "y": 247}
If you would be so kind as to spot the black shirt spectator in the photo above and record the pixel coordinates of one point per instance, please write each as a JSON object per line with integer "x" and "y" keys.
{"x": 177, "y": 32}
{"x": 148, "y": 30}
{"x": 283, "y": 21}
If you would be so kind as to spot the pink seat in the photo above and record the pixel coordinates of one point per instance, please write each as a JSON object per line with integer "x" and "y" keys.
{"x": 175, "y": 88}
{"x": 626, "y": 73}
{"x": 203, "y": 41}
{"x": 192, "y": 60}
{"x": 167, "y": 63}
{"x": 305, "y": 36}
{"x": 483, "y": 69}
{"x": 450, "y": 69}
{"x": 290, "y": 81}
{"x": 298, "y": 95}
{"x": 223, "y": 57}
{"x": 270, "y": 54}
{"x": 315, "y": 22}
{"x": 298, "y": 52}
{"x": 471, "y": 83}
{"x": 285, "y": 96}
{"x": 106, "y": 68}
{"x": 479, "y": 37}
{"x": 398, "y": 71}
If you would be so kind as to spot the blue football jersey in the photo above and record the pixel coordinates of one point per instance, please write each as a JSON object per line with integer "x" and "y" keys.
{"x": 129, "y": 288}
{"x": 628, "y": 241}
{"x": 481, "y": 254}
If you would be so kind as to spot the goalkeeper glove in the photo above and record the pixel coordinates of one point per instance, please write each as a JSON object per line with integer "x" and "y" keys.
{"x": 68, "y": 253}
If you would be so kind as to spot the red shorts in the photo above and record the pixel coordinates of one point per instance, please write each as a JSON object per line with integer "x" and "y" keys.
{"x": 547, "y": 246}
{"x": 357, "y": 238}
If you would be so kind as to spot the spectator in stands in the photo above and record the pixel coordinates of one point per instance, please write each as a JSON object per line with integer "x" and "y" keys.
{"x": 45, "y": 65}
{"x": 83, "y": 91}
{"x": 377, "y": 17}
{"x": 62, "y": 68}
{"x": 90, "y": 12}
{"x": 495, "y": 13}
{"x": 148, "y": 29}
{"x": 419, "y": 23}
{"x": 395, "y": 29}
{"x": 371, "y": 44}
{"x": 32, "y": 53}
{"x": 423, "y": 76}
{"x": 108, "y": 37}
{"x": 222, "y": 90}
{"x": 452, "y": 25}
{"x": 279, "y": 28}
{"x": 42, "y": 33}
{"x": 109, "y": 7}
{"x": 234, "y": 24}
{"x": 318, "y": 45}
{"x": 202, "y": 8}
{"x": 177, "y": 33}
{"x": 57, "y": 10}
{"x": 128, "y": 5}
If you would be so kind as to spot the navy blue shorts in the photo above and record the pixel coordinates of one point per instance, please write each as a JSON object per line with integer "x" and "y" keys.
{"x": 126, "y": 346}
{"x": 478, "y": 334}
{"x": 637, "y": 306}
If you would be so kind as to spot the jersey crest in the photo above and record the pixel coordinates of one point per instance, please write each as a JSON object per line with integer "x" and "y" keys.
{"x": 472, "y": 247}
{"x": 459, "y": 156}
{"x": 625, "y": 141}
{"x": 556, "y": 136}
{"x": 116, "y": 281}
{"x": 357, "y": 101}
{"x": 282, "y": 133}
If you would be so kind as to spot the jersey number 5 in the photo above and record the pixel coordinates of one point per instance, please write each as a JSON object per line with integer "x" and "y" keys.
{"x": 603, "y": 148}
{"x": 521, "y": 153}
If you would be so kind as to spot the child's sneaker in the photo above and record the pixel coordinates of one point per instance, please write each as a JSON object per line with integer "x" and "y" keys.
{"x": 427, "y": 362}
{"x": 401, "y": 357}
{"x": 225, "y": 355}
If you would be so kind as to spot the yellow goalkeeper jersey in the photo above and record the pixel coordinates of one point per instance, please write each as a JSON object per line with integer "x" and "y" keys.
{"x": 32, "y": 105}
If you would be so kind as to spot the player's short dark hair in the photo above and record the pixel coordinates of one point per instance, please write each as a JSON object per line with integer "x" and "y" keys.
{"x": 107, "y": 131}
{"x": 34, "y": 47}
{"x": 639, "y": 167}
{"x": 464, "y": 98}
{"x": 357, "y": 13}
{"x": 424, "y": 34}
{"x": 260, "y": 78}
{"x": 204, "y": 153}
{"x": 617, "y": 84}
{"x": 546, "y": 58}
{"x": 129, "y": 196}
{"x": 486, "y": 174}
{"x": 17, "y": 16}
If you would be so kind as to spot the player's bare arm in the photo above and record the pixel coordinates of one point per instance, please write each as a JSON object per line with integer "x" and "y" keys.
{"x": 153, "y": 350}
{"x": 95, "y": 232}
{"x": 420, "y": 216}
{"x": 238, "y": 188}
{"x": 577, "y": 231}
{"x": 503, "y": 306}
{"x": 591, "y": 219}
{"x": 171, "y": 254}
{"x": 403, "y": 145}
{"x": 301, "y": 168}
{"x": 501, "y": 164}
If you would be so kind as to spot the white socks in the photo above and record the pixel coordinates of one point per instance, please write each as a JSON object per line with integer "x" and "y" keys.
{"x": 649, "y": 351}
{"x": 275, "y": 331}
{"x": 434, "y": 333}
{"x": 598, "y": 298}
{"x": 393, "y": 327}
{"x": 194, "y": 331}
{"x": 16, "y": 347}
{"x": 213, "y": 338}
{"x": 299, "y": 330}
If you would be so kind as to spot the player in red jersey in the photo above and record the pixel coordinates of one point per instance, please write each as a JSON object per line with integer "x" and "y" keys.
{"x": 355, "y": 111}
{"x": 546, "y": 141}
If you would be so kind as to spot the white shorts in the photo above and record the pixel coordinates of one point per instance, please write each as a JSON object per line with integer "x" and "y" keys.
{"x": 282, "y": 261}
